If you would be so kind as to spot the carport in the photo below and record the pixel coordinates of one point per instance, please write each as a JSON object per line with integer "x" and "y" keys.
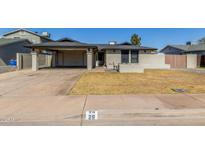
{"x": 65, "y": 54}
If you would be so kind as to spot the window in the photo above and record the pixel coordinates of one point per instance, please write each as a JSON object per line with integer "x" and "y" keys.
{"x": 124, "y": 56}
{"x": 134, "y": 56}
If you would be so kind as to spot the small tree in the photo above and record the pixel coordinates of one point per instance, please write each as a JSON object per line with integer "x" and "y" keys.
{"x": 135, "y": 40}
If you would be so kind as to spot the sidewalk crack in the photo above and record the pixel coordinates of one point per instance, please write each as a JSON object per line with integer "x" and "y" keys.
{"x": 85, "y": 102}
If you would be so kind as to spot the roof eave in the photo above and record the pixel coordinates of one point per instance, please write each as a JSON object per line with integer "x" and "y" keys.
{"x": 40, "y": 47}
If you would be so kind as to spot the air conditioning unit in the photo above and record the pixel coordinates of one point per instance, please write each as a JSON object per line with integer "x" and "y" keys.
{"x": 112, "y": 42}
{"x": 46, "y": 34}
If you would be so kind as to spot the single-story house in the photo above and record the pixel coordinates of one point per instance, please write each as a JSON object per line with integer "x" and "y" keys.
{"x": 9, "y": 48}
{"x": 189, "y": 48}
{"x": 122, "y": 57}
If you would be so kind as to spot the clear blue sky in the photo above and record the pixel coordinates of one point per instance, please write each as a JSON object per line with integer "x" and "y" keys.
{"x": 153, "y": 37}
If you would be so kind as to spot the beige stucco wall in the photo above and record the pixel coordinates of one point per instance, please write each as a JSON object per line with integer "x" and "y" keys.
{"x": 25, "y": 35}
{"x": 113, "y": 58}
{"x": 24, "y": 60}
{"x": 191, "y": 61}
{"x": 147, "y": 61}
{"x": 153, "y": 61}
{"x": 131, "y": 68}
{"x": 27, "y": 60}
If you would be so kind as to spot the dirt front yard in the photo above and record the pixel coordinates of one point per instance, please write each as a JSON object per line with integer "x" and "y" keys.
{"x": 150, "y": 82}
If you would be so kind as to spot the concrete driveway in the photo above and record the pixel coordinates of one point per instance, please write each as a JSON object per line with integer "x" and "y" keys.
{"x": 46, "y": 82}
{"x": 30, "y": 98}
{"x": 40, "y": 98}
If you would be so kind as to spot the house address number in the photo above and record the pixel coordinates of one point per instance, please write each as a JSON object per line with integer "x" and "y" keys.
{"x": 91, "y": 115}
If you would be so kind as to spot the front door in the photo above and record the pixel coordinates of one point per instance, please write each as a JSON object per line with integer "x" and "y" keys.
{"x": 101, "y": 58}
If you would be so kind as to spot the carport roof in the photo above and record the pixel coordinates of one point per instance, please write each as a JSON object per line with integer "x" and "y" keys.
{"x": 86, "y": 45}
{"x": 61, "y": 45}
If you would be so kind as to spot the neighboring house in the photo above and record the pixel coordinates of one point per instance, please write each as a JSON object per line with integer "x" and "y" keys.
{"x": 189, "y": 48}
{"x": 122, "y": 57}
{"x": 9, "y": 48}
{"x": 15, "y": 41}
{"x": 29, "y": 35}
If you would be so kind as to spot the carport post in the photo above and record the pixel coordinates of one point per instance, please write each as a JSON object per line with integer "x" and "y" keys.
{"x": 18, "y": 61}
{"x": 35, "y": 65}
{"x": 89, "y": 59}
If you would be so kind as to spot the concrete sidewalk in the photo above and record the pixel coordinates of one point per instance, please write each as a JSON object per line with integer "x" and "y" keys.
{"x": 112, "y": 110}
{"x": 147, "y": 110}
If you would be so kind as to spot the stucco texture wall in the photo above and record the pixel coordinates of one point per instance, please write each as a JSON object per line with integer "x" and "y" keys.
{"x": 24, "y": 60}
{"x": 147, "y": 61}
{"x": 25, "y": 35}
{"x": 153, "y": 61}
{"x": 192, "y": 61}
{"x": 27, "y": 60}
{"x": 113, "y": 58}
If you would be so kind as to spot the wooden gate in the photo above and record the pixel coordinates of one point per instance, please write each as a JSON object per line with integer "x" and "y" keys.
{"x": 201, "y": 60}
{"x": 176, "y": 61}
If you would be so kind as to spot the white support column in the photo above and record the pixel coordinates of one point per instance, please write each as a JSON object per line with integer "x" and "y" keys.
{"x": 96, "y": 59}
{"x": 18, "y": 61}
{"x": 89, "y": 59}
{"x": 35, "y": 61}
{"x": 129, "y": 56}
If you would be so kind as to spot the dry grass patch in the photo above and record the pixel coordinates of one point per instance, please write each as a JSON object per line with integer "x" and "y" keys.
{"x": 150, "y": 82}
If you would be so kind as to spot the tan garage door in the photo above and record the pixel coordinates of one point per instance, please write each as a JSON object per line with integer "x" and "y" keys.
{"x": 72, "y": 58}
{"x": 176, "y": 61}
